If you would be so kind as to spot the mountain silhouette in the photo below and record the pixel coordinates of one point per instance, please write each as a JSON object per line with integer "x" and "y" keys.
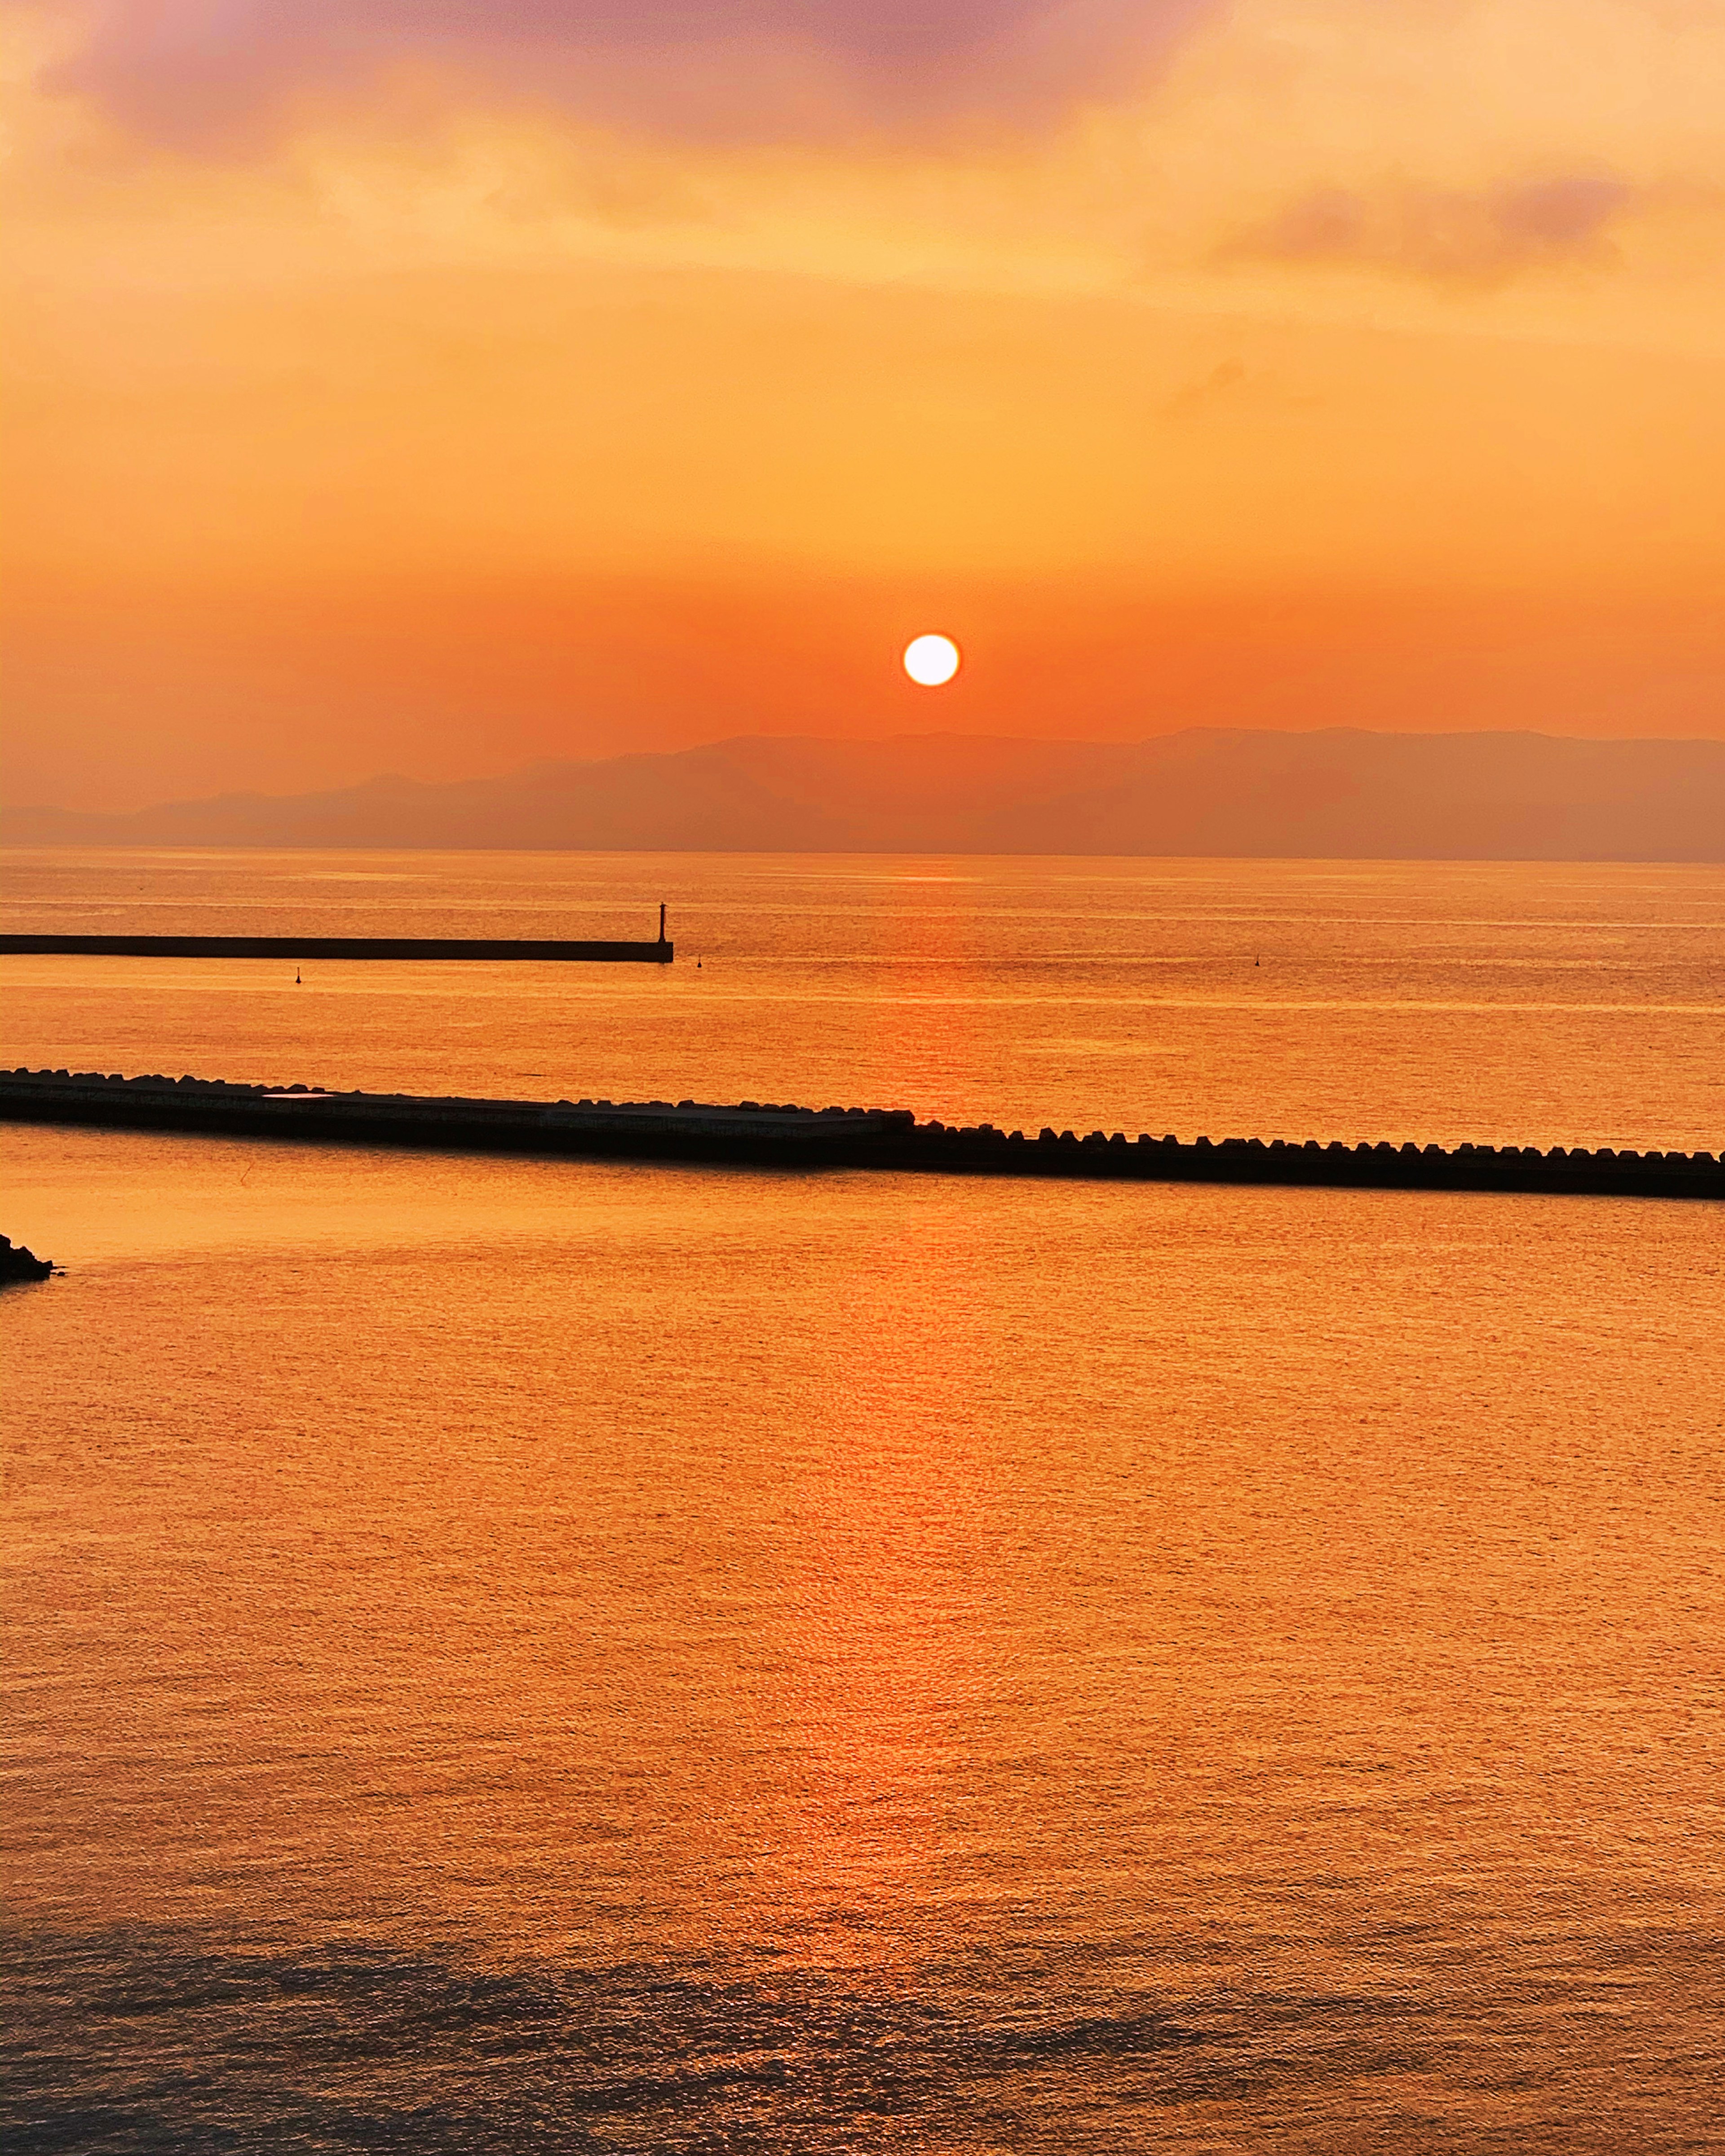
{"x": 1341, "y": 794}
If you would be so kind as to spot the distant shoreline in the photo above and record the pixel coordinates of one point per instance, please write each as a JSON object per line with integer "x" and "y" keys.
{"x": 1206, "y": 794}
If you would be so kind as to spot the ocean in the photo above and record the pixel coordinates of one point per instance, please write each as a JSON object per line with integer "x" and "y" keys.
{"x": 526, "y": 1655}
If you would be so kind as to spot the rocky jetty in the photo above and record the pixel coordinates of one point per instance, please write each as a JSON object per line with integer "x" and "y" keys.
{"x": 19, "y": 1264}
{"x": 754, "y": 1134}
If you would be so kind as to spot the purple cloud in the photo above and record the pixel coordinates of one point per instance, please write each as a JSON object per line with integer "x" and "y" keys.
{"x": 1485, "y": 236}
{"x": 207, "y": 72}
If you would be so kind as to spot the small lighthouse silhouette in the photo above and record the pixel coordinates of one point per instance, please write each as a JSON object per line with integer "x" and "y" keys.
{"x": 661, "y": 921}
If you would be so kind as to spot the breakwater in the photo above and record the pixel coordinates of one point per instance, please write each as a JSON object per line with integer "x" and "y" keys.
{"x": 557, "y": 950}
{"x": 750, "y": 1134}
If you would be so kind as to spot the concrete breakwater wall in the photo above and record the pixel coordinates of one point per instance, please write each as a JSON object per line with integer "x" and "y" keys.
{"x": 770, "y": 1136}
{"x": 554, "y": 950}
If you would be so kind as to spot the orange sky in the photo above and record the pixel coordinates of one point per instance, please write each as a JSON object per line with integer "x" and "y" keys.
{"x": 426, "y": 385}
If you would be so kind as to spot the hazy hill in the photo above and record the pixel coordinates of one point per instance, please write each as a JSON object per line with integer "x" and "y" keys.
{"x": 1334, "y": 794}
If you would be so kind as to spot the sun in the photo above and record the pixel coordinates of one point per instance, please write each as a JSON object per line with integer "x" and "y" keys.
{"x": 931, "y": 659}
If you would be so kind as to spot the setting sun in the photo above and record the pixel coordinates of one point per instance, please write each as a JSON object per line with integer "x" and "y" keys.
{"x": 931, "y": 659}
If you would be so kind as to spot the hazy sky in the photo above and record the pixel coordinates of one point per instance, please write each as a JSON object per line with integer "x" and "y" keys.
{"x": 428, "y": 385}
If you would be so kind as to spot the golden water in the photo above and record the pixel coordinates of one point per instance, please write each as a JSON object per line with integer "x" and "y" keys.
{"x": 517, "y": 1654}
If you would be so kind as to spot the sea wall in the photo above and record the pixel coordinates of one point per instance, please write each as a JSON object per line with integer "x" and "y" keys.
{"x": 553, "y": 950}
{"x": 753, "y": 1134}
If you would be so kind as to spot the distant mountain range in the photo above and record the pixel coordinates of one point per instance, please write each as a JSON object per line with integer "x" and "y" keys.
{"x": 1337, "y": 794}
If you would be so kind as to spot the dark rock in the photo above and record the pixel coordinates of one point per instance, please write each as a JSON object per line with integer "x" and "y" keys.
{"x": 19, "y": 1264}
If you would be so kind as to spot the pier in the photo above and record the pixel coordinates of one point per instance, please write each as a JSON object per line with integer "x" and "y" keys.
{"x": 542, "y": 949}
{"x": 766, "y": 1135}
{"x": 301, "y": 948}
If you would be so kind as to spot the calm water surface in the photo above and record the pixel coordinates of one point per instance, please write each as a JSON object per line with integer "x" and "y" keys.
{"x": 517, "y": 1654}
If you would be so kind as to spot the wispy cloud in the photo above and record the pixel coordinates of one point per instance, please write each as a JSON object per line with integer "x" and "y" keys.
{"x": 1222, "y": 380}
{"x": 205, "y": 74}
{"x": 1482, "y": 236}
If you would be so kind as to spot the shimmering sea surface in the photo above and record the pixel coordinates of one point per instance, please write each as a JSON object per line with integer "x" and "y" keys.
{"x": 525, "y": 1655}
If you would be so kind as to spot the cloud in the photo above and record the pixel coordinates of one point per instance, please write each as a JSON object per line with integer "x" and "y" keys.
{"x": 1196, "y": 396}
{"x": 1483, "y": 236}
{"x": 210, "y": 74}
